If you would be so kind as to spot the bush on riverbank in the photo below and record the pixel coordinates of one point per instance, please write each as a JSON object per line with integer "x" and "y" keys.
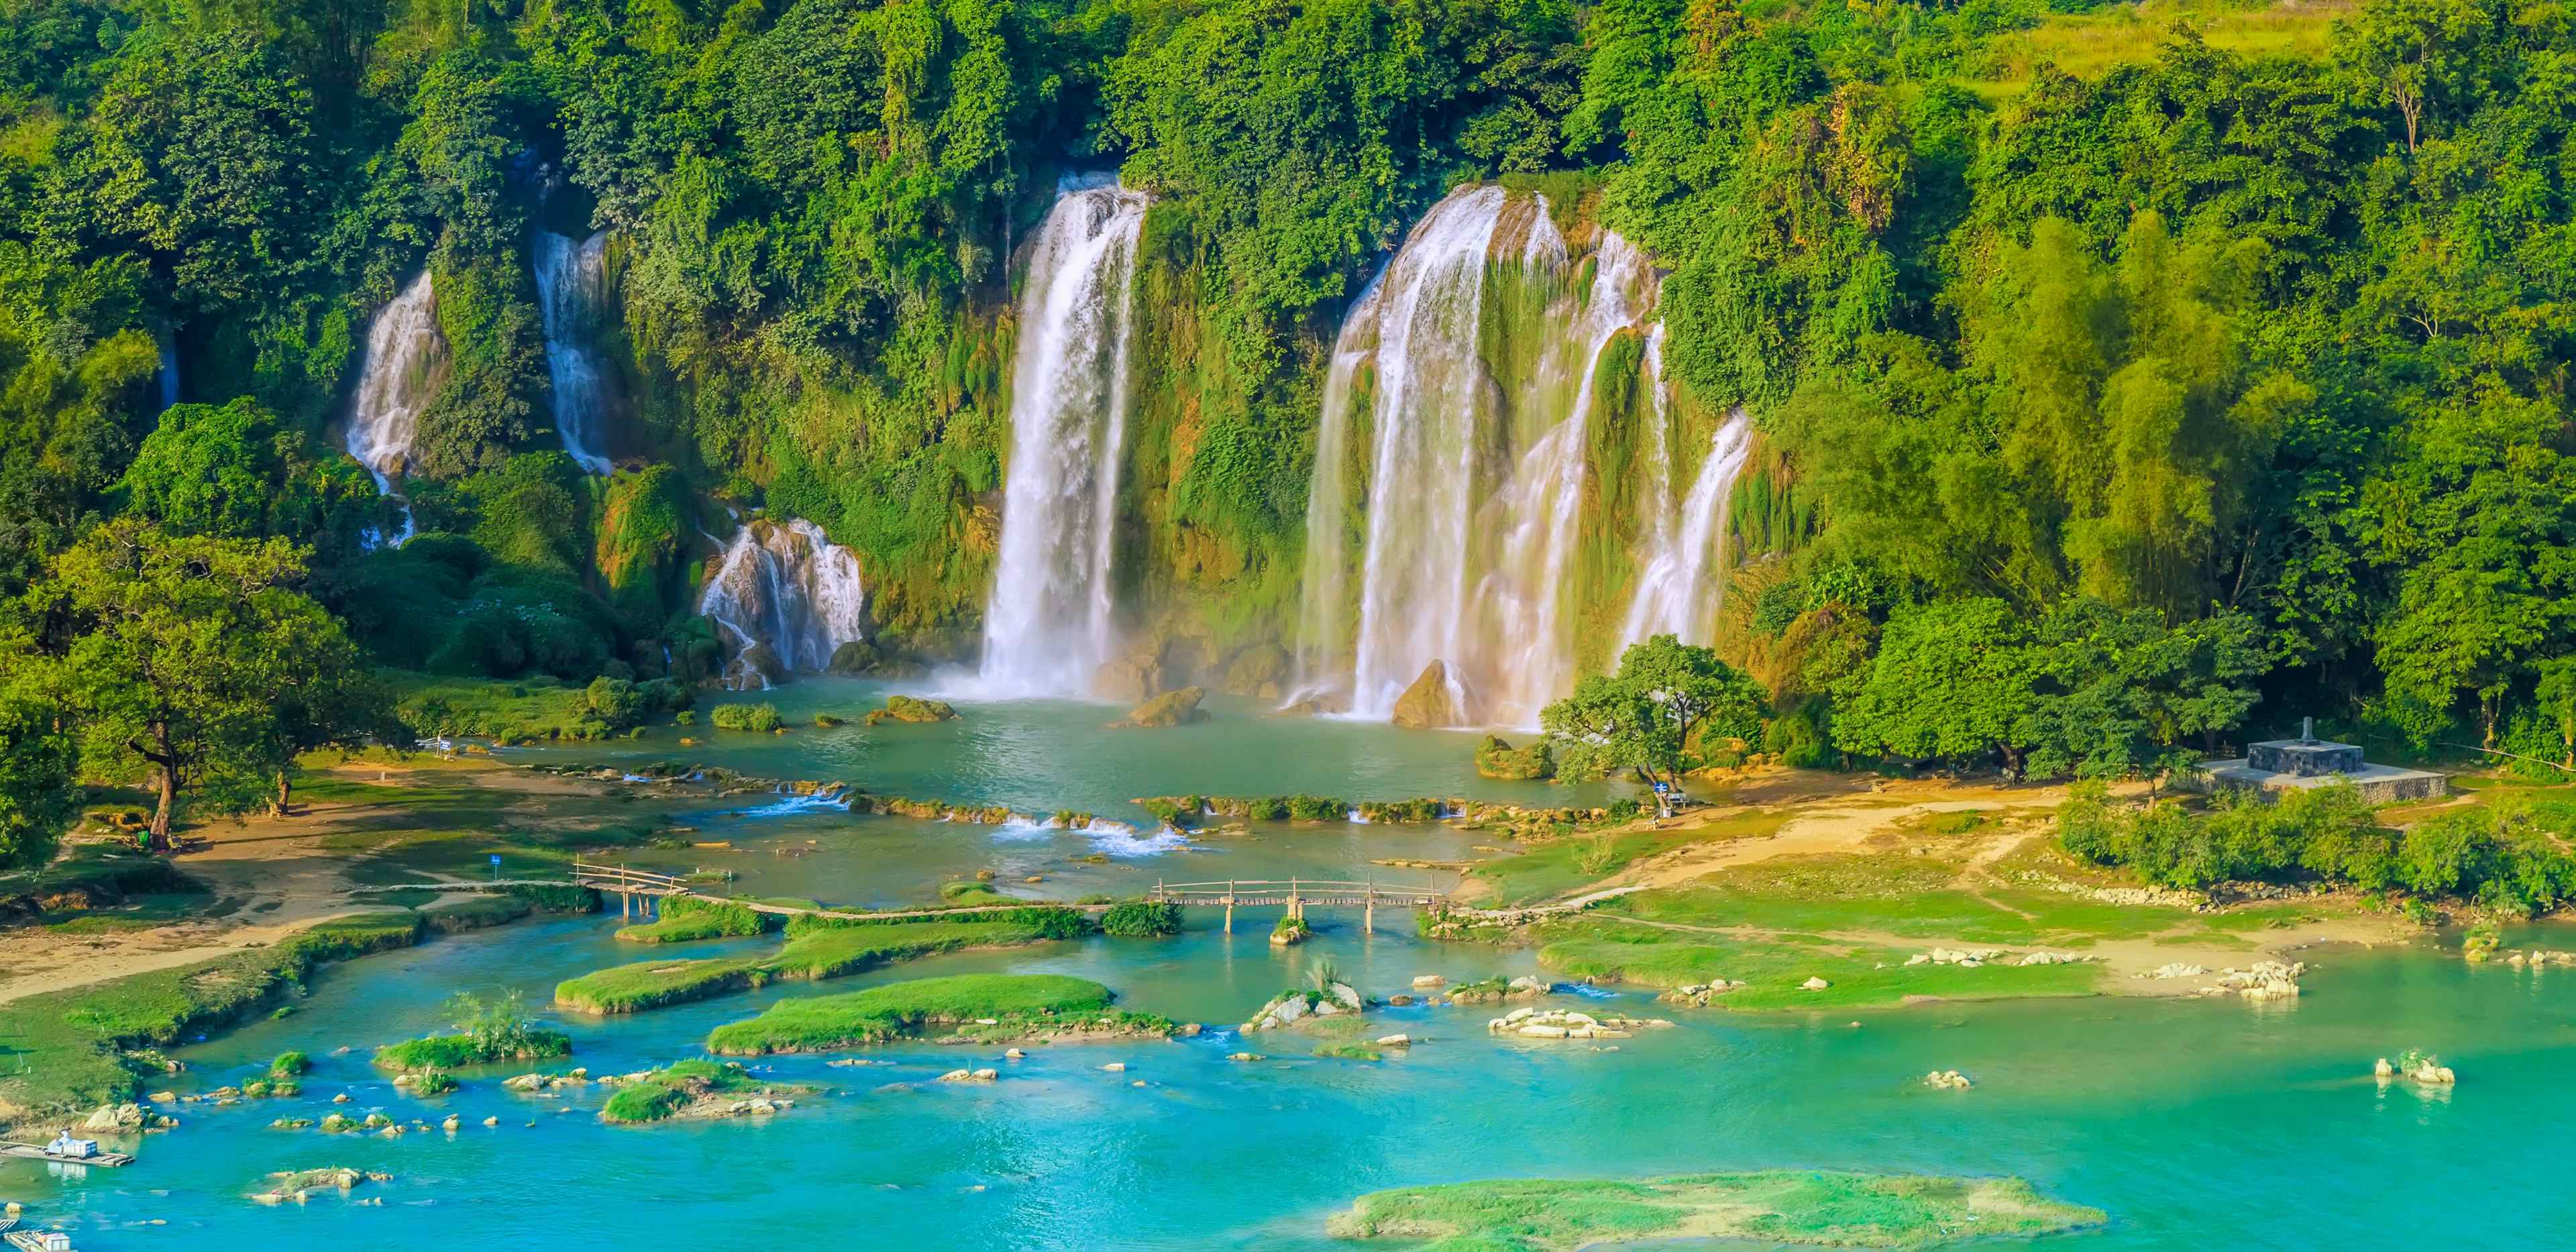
{"x": 1018, "y": 1004}
{"x": 2509, "y": 859}
{"x": 1141, "y": 919}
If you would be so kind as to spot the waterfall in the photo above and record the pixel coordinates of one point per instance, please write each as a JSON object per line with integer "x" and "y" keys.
{"x": 785, "y": 589}
{"x": 1679, "y": 593}
{"x": 572, "y": 292}
{"x": 1047, "y": 624}
{"x": 1320, "y": 637}
{"x": 167, "y": 379}
{"x": 405, "y": 356}
{"x": 1542, "y": 509}
{"x": 1484, "y": 361}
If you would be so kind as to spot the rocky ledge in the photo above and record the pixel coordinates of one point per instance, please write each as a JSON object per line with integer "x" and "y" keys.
{"x": 1699, "y": 994}
{"x": 1534, "y": 1023}
{"x": 2265, "y": 980}
{"x": 1495, "y": 990}
{"x": 1971, "y": 958}
{"x": 1291, "y": 1007}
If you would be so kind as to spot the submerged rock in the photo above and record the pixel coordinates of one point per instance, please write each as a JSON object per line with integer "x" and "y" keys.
{"x": 1172, "y": 708}
{"x": 1947, "y": 1080}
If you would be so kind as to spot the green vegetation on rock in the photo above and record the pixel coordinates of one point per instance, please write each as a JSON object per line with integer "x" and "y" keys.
{"x": 1497, "y": 758}
{"x": 817, "y": 948}
{"x": 1020, "y": 1005}
{"x": 912, "y": 709}
{"x": 754, "y": 717}
{"x": 665, "y": 1092}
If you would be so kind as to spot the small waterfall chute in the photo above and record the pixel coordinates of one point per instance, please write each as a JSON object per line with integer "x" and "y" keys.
{"x": 1048, "y": 625}
{"x": 406, "y": 356}
{"x": 786, "y": 598}
{"x": 572, "y": 298}
{"x": 1681, "y": 590}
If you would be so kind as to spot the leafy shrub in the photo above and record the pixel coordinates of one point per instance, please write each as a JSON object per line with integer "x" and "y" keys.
{"x": 1141, "y": 919}
{"x": 756, "y": 717}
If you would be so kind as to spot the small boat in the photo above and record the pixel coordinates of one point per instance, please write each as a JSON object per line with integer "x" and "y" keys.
{"x": 39, "y": 1240}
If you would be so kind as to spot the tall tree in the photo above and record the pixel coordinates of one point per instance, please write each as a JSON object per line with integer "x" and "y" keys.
{"x": 183, "y": 657}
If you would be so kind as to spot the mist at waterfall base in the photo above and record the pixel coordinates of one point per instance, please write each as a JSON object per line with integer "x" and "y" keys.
{"x": 787, "y": 588}
{"x": 2195, "y": 1124}
{"x": 405, "y": 353}
{"x": 572, "y": 300}
{"x": 1048, "y": 626}
{"x": 1477, "y": 473}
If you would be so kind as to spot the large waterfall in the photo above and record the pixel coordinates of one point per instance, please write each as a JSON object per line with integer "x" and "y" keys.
{"x": 1478, "y": 350}
{"x": 572, "y": 292}
{"x": 786, "y": 598}
{"x": 1047, "y": 625}
{"x": 405, "y": 356}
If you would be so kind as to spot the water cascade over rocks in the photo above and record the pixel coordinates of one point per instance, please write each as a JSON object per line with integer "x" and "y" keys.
{"x": 786, "y": 598}
{"x": 1047, "y": 625}
{"x": 1475, "y": 356}
{"x": 1680, "y": 591}
{"x": 572, "y": 297}
{"x": 406, "y": 357}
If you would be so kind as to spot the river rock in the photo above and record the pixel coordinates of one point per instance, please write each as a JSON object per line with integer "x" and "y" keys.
{"x": 1245, "y": 1056}
{"x": 1428, "y": 981}
{"x": 2383, "y": 1070}
{"x": 115, "y": 1117}
{"x": 1947, "y": 1080}
{"x": 1347, "y": 996}
{"x": 1497, "y": 758}
{"x": 1395, "y": 1041}
{"x": 1115, "y": 1067}
{"x": 1172, "y": 708}
{"x": 1428, "y": 703}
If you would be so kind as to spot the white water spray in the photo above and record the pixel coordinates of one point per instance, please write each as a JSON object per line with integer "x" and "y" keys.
{"x": 787, "y": 588}
{"x": 1047, "y": 624}
{"x": 1679, "y": 593}
{"x": 405, "y": 357}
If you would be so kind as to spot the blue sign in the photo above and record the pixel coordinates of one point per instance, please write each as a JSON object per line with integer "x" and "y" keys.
{"x": 1660, "y": 788}
{"x": 496, "y": 859}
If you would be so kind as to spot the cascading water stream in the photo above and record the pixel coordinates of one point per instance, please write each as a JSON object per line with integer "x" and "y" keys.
{"x": 572, "y": 292}
{"x": 786, "y": 588}
{"x": 1047, "y": 625}
{"x": 1678, "y": 594}
{"x": 1320, "y": 636}
{"x": 1482, "y": 363}
{"x": 405, "y": 355}
{"x": 1542, "y": 510}
{"x": 1424, "y": 421}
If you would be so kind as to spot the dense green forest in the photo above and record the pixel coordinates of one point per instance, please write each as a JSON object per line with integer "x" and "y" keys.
{"x": 2101, "y": 416}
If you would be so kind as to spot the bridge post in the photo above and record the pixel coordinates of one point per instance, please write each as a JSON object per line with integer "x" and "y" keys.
{"x": 1229, "y": 906}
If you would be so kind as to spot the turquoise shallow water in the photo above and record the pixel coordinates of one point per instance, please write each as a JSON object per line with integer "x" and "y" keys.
{"x": 1044, "y": 755}
{"x": 2195, "y": 1124}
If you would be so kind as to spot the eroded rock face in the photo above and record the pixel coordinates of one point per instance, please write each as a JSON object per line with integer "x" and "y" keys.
{"x": 1172, "y": 708}
{"x": 1429, "y": 702}
{"x": 1257, "y": 671}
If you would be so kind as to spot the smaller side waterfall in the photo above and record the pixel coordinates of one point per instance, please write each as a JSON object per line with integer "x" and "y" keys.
{"x": 405, "y": 356}
{"x": 786, "y": 598}
{"x": 572, "y": 293}
{"x": 1321, "y": 636}
{"x": 1047, "y": 625}
{"x": 1678, "y": 594}
{"x": 167, "y": 380}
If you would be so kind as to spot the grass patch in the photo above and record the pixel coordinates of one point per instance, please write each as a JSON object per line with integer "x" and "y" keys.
{"x": 814, "y": 952}
{"x": 1016, "y": 1004}
{"x": 68, "y": 1050}
{"x": 2091, "y": 44}
{"x": 1774, "y": 967}
{"x": 1563, "y": 866}
{"x": 440, "y": 1052}
{"x": 686, "y": 918}
{"x": 1772, "y": 1206}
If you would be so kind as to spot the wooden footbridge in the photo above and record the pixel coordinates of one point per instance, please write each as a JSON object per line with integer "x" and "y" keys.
{"x": 1296, "y": 894}
{"x": 638, "y": 892}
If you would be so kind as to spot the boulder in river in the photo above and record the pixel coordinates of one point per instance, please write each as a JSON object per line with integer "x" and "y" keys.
{"x": 1429, "y": 702}
{"x": 1172, "y": 708}
{"x": 913, "y": 709}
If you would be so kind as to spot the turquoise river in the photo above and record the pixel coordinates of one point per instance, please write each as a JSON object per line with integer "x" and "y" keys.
{"x": 2195, "y": 1124}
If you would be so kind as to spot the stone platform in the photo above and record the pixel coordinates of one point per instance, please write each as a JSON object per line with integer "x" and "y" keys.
{"x": 2379, "y": 784}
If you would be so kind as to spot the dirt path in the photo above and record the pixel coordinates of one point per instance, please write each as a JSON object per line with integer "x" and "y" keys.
{"x": 271, "y": 876}
{"x": 1849, "y": 823}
